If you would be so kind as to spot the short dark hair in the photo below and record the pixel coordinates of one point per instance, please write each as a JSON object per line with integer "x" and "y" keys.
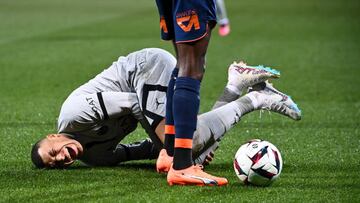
{"x": 35, "y": 156}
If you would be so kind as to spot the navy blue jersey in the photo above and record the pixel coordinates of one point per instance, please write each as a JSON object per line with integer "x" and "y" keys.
{"x": 185, "y": 20}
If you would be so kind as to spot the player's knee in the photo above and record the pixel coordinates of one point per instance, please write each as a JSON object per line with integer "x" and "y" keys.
{"x": 191, "y": 63}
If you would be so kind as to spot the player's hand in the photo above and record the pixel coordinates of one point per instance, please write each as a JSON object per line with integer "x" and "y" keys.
{"x": 136, "y": 111}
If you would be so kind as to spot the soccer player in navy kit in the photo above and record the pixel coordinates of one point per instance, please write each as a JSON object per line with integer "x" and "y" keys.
{"x": 188, "y": 23}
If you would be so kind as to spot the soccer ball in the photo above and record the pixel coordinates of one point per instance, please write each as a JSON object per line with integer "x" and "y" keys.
{"x": 258, "y": 162}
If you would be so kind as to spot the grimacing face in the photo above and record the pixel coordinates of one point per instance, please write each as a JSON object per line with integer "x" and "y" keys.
{"x": 59, "y": 151}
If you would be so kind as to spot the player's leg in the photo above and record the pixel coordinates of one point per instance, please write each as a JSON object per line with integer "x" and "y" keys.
{"x": 221, "y": 13}
{"x": 185, "y": 22}
{"x": 186, "y": 98}
{"x": 214, "y": 124}
{"x": 193, "y": 23}
{"x": 240, "y": 77}
{"x": 222, "y": 18}
{"x": 165, "y": 156}
{"x": 192, "y": 32}
{"x": 165, "y": 9}
{"x": 187, "y": 94}
{"x": 169, "y": 117}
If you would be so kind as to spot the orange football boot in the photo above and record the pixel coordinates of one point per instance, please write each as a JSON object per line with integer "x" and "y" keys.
{"x": 194, "y": 175}
{"x": 164, "y": 162}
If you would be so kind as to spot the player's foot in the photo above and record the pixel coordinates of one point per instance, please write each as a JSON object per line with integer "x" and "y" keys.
{"x": 194, "y": 175}
{"x": 265, "y": 96}
{"x": 242, "y": 76}
{"x": 164, "y": 161}
{"x": 224, "y": 30}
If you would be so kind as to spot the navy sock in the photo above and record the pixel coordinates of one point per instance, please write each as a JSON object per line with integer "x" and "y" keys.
{"x": 169, "y": 118}
{"x": 186, "y": 101}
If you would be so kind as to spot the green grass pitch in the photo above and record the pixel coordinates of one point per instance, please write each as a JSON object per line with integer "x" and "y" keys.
{"x": 48, "y": 48}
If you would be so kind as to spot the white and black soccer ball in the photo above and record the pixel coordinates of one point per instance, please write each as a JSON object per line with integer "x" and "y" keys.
{"x": 258, "y": 162}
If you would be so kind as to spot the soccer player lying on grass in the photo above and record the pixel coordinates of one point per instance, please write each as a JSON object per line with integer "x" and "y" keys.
{"x": 99, "y": 114}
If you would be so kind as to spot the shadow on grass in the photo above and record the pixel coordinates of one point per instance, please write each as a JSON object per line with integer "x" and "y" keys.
{"x": 126, "y": 166}
{"x": 138, "y": 165}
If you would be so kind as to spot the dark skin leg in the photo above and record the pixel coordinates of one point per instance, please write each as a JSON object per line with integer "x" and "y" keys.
{"x": 191, "y": 64}
{"x": 191, "y": 58}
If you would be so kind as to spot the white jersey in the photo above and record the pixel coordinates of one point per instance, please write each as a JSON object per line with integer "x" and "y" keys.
{"x": 100, "y": 109}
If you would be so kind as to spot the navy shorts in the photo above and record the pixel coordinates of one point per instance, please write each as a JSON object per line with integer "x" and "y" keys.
{"x": 185, "y": 20}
